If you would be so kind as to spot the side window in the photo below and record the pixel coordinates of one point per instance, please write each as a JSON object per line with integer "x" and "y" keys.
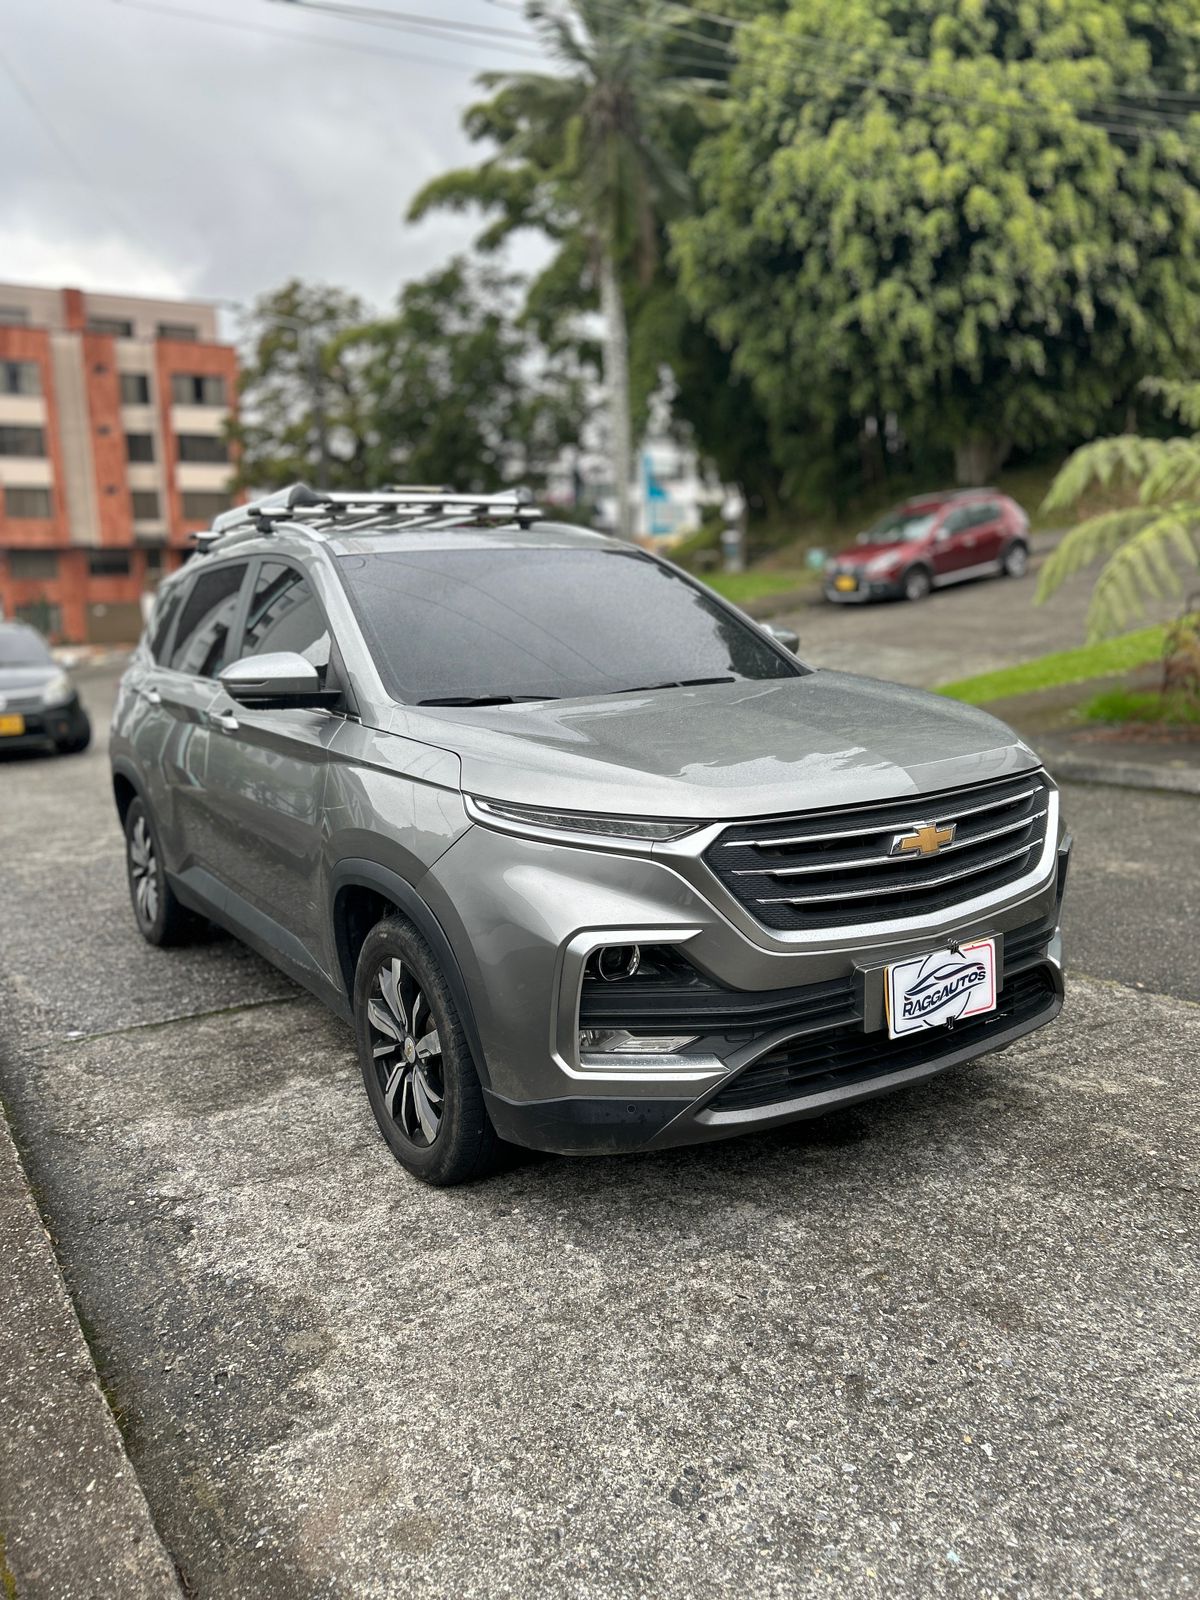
{"x": 957, "y": 521}
{"x": 160, "y": 624}
{"x": 985, "y": 513}
{"x": 284, "y": 615}
{"x": 204, "y": 623}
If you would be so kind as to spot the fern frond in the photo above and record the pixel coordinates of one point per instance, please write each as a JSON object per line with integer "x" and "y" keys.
{"x": 1126, "y": 457}
{"x": 1180, "y": 398}
{"x": 1088, "y": 541}
{"x": 1175, "y": 475}
{"x": 1144, "y": 567}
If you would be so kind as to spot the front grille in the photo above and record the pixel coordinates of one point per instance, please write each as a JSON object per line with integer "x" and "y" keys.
{"x": 826, "y": 869}
{"x": 845, "y": 1055}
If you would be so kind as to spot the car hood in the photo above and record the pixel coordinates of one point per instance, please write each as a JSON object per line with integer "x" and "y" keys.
{"x": 19, "y": 681}
{"x": 857, "y": 555}
{"x": 723, "y": 750}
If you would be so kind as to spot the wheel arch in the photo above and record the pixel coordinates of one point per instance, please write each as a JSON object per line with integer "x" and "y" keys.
{"x": 363, "y": 893}
{"x": 126, "y": 788}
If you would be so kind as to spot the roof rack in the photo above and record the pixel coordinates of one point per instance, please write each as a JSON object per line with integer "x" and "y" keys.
{"x": 322, "y": 512}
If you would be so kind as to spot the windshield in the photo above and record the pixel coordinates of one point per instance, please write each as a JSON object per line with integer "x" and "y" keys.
{"x": 899, "y": 525}
{"x": 21, "y": 647}
{"x": 494, "y": 623}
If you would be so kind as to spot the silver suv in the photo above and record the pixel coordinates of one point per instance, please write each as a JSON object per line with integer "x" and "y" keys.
{"x": 587, "y": 858}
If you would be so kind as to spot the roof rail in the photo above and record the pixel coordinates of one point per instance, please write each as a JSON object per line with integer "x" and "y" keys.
{"x": 322, "y": 511}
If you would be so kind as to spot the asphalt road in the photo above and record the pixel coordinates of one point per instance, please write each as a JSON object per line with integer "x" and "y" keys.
{"x": 941, "y": 1344}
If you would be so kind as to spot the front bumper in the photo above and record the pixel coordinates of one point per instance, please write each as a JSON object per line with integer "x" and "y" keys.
{"x": 783, "y": 1061}
{"x": 57, "y": 725}
{"x": 867, "y": 589}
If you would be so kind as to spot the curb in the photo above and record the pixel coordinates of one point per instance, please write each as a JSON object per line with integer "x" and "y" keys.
{"x": 1183, "y": 779}
{"x": 74, "y": 1523}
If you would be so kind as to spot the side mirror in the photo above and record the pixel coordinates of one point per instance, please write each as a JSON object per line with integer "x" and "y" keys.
{"x": 787, "y": 637}
{"x": 282, "y": 678}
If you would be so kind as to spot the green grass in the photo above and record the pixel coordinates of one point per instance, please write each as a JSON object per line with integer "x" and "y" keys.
{"x": 742, "y": 587}
{"x": 1148, "y": 705}
{"x": 1062, "y": 666}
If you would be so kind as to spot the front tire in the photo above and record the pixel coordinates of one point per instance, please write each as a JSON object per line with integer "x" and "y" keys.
{"x": 1016, "y": 560}
{"x": 415, "y": 1060}
{"x": 917, "y": 583}
{"x": 161, "y": 918}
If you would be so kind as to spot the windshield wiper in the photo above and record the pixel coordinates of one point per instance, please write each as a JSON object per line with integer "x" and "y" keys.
{"x": 485, "y": 699}
{"x": 671, "y": 683}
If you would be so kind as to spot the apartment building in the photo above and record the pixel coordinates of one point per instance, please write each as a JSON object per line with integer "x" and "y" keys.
{"x": 112, "y": 452}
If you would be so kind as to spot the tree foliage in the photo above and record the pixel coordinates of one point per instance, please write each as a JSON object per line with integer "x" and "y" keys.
{"x": 1144, "y": 547}
{"x": 452, "y": 388}
{"x": 981, "y": 218}
{"x": 291, "y": 346}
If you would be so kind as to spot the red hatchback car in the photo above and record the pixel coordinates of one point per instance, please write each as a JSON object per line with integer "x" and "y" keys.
{"x": 931, "y": 540}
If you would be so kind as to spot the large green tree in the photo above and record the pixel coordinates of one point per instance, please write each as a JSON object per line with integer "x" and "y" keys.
{"x": 586, "y": 154}
{"x": 458, "y": 389}
{"x": 982, "y": 218}
{"x": 453, "y": 387}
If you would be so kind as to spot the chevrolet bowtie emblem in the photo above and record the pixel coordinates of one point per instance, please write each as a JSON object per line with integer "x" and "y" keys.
{"x": 924, "y": 838}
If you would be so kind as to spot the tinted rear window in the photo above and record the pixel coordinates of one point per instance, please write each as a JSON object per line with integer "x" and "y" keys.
{"x": 555, "y": 623}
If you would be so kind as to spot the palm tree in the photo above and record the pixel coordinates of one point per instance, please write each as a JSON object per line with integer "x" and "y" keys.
{"x": 585, "y": 155}
{"x": 1144, "y": 544}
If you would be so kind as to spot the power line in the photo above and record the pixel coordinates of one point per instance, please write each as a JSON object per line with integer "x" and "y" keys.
{"x": 183, "y": 14}
{"x": 408, "y": 22}
{"x": 54, "y": 133}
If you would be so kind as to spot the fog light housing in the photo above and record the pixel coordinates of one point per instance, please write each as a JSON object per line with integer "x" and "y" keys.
{"x": 616, "y": 961}
{"x": 620, "y": 1042}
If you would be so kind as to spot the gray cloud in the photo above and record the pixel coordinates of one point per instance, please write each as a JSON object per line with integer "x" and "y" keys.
{"x": 190, "y": 157}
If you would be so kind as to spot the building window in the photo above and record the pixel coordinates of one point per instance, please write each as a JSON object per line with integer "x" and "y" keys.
{"x": 154, "y": 559}
{"x": 135, "y": 389}
{"x": 27, "y": 502}
{"x": 197, "y": 389}
{"x": 203, "y": 507}
{"x": 33, "y": 563}
{"x": 202, "y": 447}
{"x": 20, "y": 377}
{"x": 139, "y": 446}
{"x": 186, "y": 332}
{"x": 14, "y": 316}
{"x": 109, "y": 563}
{"x": 145, "y": 505}
{"x": 114, "y": 327}
{"x": 15, "y": 441}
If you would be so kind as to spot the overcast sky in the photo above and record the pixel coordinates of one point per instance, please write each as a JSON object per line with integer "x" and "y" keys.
{"x": 168, "y": 154}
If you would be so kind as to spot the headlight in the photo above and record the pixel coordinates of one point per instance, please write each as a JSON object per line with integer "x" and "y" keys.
{"x": 880, "y": 567}
{"x": 597, "y": 829}
{"x": 58, "y": 691}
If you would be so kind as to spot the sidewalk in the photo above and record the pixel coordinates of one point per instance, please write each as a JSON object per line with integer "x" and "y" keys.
{"x": 74, "y": 1524}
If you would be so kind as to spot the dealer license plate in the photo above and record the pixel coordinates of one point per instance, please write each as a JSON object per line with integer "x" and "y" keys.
{"x": 944, "y": 986}
{"x": 11, "y": 724}
{"x": 845, "y": 584}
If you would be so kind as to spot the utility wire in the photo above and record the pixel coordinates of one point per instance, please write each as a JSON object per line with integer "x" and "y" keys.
{"x": 407, "y": 22}
{"x": 183, "y": 14}
{"x": 54, "y": 133}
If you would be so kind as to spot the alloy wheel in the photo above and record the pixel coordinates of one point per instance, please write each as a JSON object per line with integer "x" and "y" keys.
{"x": 143, "y": 873}
{"x": 407, "y": 1052}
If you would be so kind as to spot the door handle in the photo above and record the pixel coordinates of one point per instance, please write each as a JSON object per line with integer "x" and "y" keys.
{"x": 151, "y": 697}
{"x": 225, "y": 720}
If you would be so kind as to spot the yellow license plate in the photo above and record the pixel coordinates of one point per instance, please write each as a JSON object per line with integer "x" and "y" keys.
{"x": 845, "y": 583}
{"x": 11, "y": 724}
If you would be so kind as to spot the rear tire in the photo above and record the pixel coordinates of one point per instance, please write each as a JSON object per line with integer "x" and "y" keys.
{"x": 1016, "y": 560}
{"x": 161, "y": 919}
{"x": 917, "y": 583}
{"x": 416, "y": 1063}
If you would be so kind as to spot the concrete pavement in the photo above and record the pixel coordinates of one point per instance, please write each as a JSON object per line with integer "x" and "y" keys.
{"x": 944, "y": 1343}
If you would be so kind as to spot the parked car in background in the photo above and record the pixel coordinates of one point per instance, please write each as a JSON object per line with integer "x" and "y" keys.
{"x": 930, "y": 541}
{"x": 587, "y": 858}
{"x": 39, "y": 705}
